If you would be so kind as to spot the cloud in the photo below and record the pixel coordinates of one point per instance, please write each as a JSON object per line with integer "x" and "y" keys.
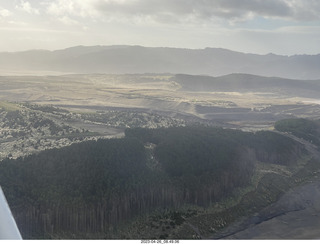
{"x": 68, "y": 21}
{"x": 83, "y": 8}
{"x": 184, "y": 11}
{"x": 26, "y": 7}
{"x": 212, "y": 9}
{"x": 240, "y": 9}
{"x": 305, "y": 10}
{"x": 4, "y": 12}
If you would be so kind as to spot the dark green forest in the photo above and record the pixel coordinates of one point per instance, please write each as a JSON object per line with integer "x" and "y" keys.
{"x": 303, "y": 128}
{"x": 94, "y": 187}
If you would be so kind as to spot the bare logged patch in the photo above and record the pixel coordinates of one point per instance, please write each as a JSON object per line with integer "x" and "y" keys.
{"x": 9, "y": 106}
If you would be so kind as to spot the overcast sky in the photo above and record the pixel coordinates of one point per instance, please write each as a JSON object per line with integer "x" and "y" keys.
{"x": 254, "y": 26}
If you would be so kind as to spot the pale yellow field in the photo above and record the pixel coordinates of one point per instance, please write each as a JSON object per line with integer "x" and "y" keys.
{"x": 151, "y": 92}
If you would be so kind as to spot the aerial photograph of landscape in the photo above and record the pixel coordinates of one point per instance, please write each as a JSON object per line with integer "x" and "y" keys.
{"x": 160, "y": 121}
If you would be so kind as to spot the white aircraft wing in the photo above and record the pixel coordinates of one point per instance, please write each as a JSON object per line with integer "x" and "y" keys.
{"x": 8, "y": 226}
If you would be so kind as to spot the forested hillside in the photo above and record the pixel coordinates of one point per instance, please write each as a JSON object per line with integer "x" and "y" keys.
{"x": 90, "y": 189}
{"x": 302, "y": 128}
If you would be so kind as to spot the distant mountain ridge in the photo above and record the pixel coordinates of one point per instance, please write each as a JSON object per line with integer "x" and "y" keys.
{"x": 137, "y": 59}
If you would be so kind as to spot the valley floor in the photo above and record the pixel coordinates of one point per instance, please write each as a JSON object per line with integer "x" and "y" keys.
{"x": 103, "y": 106}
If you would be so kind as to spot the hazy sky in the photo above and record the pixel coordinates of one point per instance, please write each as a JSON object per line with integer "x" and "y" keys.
{"x": 255, "y": 26}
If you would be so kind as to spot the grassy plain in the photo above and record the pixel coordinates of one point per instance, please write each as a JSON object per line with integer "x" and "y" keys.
{"x": 158, "y": 93}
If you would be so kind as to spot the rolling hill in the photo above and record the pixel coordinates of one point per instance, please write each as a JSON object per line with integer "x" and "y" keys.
{"x": 249, "y": 83}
